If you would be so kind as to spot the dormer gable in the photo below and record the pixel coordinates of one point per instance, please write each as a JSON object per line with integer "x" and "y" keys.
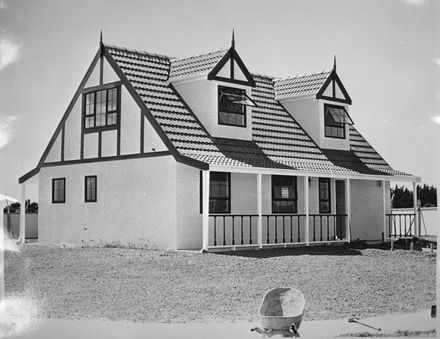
{"x": 232, "y": 69}
{"x": 333, "y": 89}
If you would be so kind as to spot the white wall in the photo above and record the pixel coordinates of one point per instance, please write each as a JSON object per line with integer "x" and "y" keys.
{"x": 55, "y": 151}
{"x": 201, "y": 95}
{"x": 72, "y": 133}
{"x": 188, "y": 216}
{"x": 136, "y": 206}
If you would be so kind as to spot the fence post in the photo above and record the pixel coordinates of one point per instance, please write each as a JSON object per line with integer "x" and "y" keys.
{"x": 416, "y": 221}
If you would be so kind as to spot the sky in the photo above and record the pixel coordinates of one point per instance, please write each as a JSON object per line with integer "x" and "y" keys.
{"x": 388, "y": 58}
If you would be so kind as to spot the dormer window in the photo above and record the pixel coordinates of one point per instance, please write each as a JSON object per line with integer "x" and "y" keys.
{"x": 232, "y": 104}
{"x": 101, "y": 108}
{"x": 335, "y": 119}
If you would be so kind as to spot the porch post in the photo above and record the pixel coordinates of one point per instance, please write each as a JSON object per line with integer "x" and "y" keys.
{"x": 384, "y": 195}
{"x": 348, "y": 204}
{"x": 306, "y": 207}
{"x": 205, "y": 206}
{"x": 259, "y": 211}
{"x": 416, "y": 221}
{"x": 22, "y": 237}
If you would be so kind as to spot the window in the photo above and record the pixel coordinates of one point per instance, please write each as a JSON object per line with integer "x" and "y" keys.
{"x": 335, "y": 119}
{"x": 324, "y": 195}
{"x": 101, "y": 108}
{"x": 90, "y": 188}
{"x": 219, "y": 192}
{"x": 58, "y": 190}
{"x": 232, "y": 104}
{"x": 284, "y": 195}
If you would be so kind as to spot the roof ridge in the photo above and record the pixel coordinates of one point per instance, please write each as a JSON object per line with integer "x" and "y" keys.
{"x": 199, "y": 54}
{"x": 263, "y": 76}
{"x": 139, "y": 52}
{"x": 302, "y": 76}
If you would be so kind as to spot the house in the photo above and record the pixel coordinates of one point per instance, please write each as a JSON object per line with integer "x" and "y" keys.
{"x": 199, "y": 153}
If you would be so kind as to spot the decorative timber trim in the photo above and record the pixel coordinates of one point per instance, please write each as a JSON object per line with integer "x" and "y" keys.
{"x": 333, "y": 78}
{"x": 231, "y": 55}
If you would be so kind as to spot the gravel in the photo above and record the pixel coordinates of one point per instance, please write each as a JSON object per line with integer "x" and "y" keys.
{"x": 160, "y": 286}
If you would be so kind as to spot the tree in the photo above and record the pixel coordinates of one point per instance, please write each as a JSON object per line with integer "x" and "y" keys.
{"x": 401, "y": 197}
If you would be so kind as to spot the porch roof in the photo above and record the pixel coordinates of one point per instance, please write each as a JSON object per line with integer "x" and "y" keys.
{"x": 278, "y": 141}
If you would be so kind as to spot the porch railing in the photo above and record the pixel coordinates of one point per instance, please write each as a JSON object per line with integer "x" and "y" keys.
{"x": 277, "y": 229}
{"x": 401, "y": 225}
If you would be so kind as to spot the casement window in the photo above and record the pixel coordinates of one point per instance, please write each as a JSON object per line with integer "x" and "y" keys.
{"x": 324, "y": 195}
{"x": 90, "y": 188}
{"x": 219, "y": 192}
{"x": 232, "y": 104}
{"x": 284, "y": 194}
{"x": 101, "y": 108}
{"x": 58, "y": 190}
{"x": 335, "y": 119}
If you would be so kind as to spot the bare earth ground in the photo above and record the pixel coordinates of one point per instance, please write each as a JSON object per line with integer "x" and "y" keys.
{"x": 151, "y": 285}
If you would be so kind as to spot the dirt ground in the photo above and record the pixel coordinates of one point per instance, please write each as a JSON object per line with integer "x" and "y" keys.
{"x": 160, "y": 286}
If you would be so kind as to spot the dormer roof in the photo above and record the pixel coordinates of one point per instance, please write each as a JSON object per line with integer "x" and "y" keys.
{"x": 309, "y": 84}
{"x": 189, "y": 67}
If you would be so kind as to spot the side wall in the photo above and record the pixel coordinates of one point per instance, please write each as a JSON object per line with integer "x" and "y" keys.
{"x": 136, "y": 206}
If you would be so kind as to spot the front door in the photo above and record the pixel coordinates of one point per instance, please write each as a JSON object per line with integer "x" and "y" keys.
{"x": 340, "y": 209}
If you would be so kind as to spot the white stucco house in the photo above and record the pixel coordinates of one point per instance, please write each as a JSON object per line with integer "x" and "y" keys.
{"x": 199, "y": 153}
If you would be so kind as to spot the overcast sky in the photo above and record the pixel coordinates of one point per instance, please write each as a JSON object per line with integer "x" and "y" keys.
{"x": 388, "y": 58}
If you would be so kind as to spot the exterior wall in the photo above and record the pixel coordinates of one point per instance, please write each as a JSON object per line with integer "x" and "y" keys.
{"x": 366, "y": 209}
{"x": 136, "y": 206}
{"x": 309, "y": 113}
{"x": 152, "y": 141}
{"x": 304, "y": 111}
{"x": 72, "y": 133}
{"x": 188, "y": 216}
{"x": 130, "y": 124}
{"x": 55, "y": 151}
{"x": 201, "y": 95}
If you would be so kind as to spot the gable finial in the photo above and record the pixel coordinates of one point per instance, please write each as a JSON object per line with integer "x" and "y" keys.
{"x": 233, "y": 39}
{"x": 334, "y": 63}
{"x": 100, "y": 37}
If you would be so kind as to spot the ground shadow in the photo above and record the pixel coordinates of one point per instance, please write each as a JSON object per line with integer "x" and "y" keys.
{"x": 340, "y": 249}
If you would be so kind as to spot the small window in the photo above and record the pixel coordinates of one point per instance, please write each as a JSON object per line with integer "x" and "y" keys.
{"x": 335, "y": 119}
{"x": 232, "y": 104}
{"x": 284, "y": 195}
{"x": 58, "y": 190}
{"x": 219, "y": 192}
{"x": 324, "y": 195}
{"x": 90, "y": 188}
{"x": 101, "y": 108}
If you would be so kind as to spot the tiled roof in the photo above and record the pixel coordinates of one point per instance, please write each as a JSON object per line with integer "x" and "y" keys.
{"x": 302, "y": 85}
{"x": 277, "y": 139}
{"x": 195, "y": 65}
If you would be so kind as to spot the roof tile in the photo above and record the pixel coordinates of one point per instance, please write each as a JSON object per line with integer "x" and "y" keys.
{"x": 278, "y": 140}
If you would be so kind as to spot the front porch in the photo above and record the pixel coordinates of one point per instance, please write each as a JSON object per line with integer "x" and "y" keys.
{"x": 348, "y": 207}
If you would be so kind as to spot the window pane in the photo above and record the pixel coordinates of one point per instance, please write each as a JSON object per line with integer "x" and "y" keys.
{"x": 112, "y": 118}
{"x": 100, "y": 119}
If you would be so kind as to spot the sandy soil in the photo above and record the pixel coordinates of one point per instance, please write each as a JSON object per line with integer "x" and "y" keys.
{"x": 149, "y": 285}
